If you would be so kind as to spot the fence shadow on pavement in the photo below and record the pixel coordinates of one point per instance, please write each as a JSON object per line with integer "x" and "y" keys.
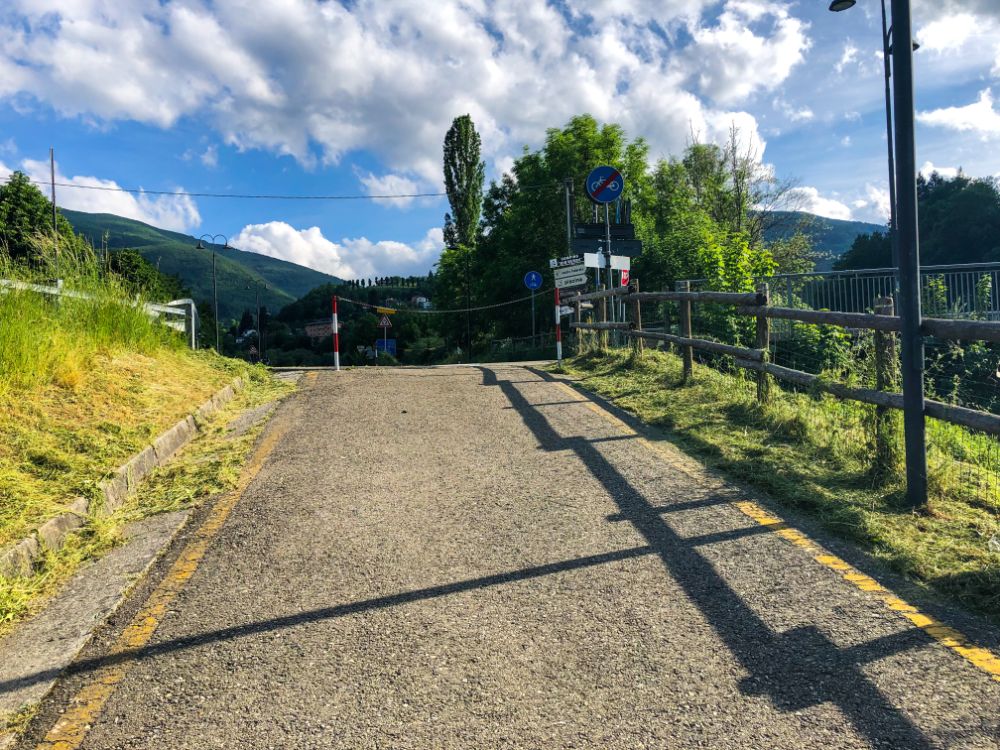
{"x": 795, "y": 669}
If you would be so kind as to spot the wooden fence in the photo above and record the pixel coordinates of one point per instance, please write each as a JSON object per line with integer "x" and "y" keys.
{"x": 756, "y": 305}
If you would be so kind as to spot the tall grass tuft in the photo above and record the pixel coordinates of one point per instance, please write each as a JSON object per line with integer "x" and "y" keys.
{"x": 48, "y": 339}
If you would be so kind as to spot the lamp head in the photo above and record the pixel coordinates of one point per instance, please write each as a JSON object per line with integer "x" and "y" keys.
{"x": 200, "y": 245}
{"x": 838, "y": 5}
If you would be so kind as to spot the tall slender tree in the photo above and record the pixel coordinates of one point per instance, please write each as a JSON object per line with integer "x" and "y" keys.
{"x": 464, "y": 175}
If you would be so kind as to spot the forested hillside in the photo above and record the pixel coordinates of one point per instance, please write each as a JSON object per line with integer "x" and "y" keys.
{"x": 240, "y": 274}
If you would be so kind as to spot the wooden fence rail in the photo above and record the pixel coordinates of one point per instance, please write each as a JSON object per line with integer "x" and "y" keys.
{"x": 755, "y": 359}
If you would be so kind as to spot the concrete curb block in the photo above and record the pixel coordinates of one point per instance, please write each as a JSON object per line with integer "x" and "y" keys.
{"x": 19, "y": 559}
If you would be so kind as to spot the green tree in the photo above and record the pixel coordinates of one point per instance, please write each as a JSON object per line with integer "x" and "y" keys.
{"x": 25, "y": 217}
{"x": 143, "y": 277}
{"x": 464, "y": 175}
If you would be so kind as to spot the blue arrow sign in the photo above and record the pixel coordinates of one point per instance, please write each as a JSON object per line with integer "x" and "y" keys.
{"x": 605, "y": 185}
{"x": 533, "y": 280}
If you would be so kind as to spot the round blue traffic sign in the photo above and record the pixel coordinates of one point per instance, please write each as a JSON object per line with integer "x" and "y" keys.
{"x": 533, "y": 280}
{"x": 605, "y": 185}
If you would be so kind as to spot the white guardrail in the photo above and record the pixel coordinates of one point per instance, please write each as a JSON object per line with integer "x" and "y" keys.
{"x": 179, "y": 314}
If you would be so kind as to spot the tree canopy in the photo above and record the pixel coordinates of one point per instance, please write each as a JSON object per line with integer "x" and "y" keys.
{"x": 959, "y": 223}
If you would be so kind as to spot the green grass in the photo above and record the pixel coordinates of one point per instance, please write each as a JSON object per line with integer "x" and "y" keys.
{"x": 209, "y": 466}
{"x": 84, "y": 385}
{"x": 813, "y": 453}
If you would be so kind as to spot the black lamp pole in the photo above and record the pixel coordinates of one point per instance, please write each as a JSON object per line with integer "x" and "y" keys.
{"x": 906, "y": 243}
{"x": 215, "y": 287}
{"x": 908, "y": 247}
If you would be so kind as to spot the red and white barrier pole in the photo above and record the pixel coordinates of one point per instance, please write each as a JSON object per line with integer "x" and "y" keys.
{"x": 336, "y": 337}
{"x": 558, "y": 331}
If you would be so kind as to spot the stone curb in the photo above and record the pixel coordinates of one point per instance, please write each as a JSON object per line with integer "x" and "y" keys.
{"x": 19, "y": 559}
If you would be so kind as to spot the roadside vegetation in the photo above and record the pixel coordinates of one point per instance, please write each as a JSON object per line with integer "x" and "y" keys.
{"x": 88, "y": 381}
{"x": 814, "y": 453}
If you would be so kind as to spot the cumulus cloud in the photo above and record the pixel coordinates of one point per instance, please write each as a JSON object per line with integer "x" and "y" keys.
{"x": 319, "y": 80}
{"x": 948, "y": 172}
{"x": 390, "y": 184}
{"x": 980, "y": 117}
{"x": 948, "y": 32}
{"x": 351, "y": 258}
{"x": 733, "y": 59}
{"x": 177, "y": 211}
{"x": 810, "y": 200}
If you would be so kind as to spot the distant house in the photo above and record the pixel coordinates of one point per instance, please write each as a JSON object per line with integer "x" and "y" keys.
{"x": 250, "y": 333}
{"x": 319, "y": 329}
{"x": 422, "y": 302}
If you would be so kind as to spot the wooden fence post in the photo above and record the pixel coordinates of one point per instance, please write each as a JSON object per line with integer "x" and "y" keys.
{"x": 885, "y": 460}
{"x": 684, "y": 306}
{"x": 637, "y": 343}
{"x": 604, "y": 318}
{"x": 763, "y": 343}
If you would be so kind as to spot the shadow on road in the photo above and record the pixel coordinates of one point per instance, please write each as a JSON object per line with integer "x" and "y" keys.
{"x": 795, "y": 669}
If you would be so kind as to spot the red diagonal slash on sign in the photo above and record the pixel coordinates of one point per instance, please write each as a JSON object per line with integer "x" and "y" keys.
{"x": 611, "y": 178}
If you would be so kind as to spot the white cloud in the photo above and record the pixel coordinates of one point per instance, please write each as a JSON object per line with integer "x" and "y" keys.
{"x": 948, "y": 172}
{"x": 731, "y": 61}
{"x": 390, "y": 184}
{"x": 351, "y": 258}
{"x": 979, "y": 117}
{"x": 176, "y": 211}
{"x": 847, "y": 57}
{"x": 948, "y": 32}
{"x": 210, "y": 156}
{"x": 878, "y": 199}
{"x": 845, "y": 141}
{"x": 319, "y": 80}
{"x": 810, "y": 200}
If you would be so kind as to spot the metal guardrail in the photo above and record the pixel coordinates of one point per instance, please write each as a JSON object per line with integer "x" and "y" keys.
{"x": 179, "y": 314}
{"x": 969, "y": 290}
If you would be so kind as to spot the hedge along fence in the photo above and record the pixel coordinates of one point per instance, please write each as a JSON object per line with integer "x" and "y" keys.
{"x": 756, "y": 305}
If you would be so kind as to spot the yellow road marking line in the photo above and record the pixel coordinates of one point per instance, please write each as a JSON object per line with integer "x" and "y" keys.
{"x": 979, "y": 657}
{"x": 87, "y": 705}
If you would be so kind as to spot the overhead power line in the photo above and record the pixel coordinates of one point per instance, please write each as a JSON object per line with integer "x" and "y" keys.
{"x": 439, "y": 312}
{"x": 266, "y": 196}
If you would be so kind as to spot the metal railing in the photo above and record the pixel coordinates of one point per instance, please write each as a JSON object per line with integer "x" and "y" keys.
{"x": 179, "y": 314}
{"x": 953, "y": 291}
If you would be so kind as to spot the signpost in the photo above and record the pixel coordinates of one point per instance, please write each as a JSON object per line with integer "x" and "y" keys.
{"x": 385, "y": 324}
{"x": 336, "y": 338}
{"x": 386, "y": 345}
{"x": 604, "y": 186}
{"x": 533, "y": 280}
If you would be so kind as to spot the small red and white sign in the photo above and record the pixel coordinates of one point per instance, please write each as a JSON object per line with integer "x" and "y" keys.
{"x": 384, "y": 322}
{"x": 625, "y": 277}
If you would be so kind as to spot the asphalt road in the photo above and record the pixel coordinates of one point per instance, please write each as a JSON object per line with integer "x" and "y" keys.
{"x": 476, "y": 558}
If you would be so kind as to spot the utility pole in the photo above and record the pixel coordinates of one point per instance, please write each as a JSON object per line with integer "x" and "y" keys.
{"x": 55, "y": 225}
{"x": 908, "y": 243}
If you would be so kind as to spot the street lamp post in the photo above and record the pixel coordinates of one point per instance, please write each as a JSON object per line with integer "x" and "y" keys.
{"x": 907, "y": 244}
{"x": 215, "y": 286}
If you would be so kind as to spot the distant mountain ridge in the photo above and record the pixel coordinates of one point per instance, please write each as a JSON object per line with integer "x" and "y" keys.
{"x": 830, "y": 237}
{"x": 240, "y": 274}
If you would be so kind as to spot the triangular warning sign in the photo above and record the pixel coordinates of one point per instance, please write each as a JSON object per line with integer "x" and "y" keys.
{"x": 384, "y": 322}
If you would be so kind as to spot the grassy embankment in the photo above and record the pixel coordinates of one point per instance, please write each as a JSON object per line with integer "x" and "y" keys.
{"x": 85, "y": 384}
{"x": 813, "y": 453}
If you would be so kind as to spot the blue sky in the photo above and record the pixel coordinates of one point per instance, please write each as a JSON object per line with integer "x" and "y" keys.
{"x": 301, "y": 97}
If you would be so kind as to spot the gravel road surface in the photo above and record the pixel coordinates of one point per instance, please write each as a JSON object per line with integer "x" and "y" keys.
{"x": 474, "y": 558}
